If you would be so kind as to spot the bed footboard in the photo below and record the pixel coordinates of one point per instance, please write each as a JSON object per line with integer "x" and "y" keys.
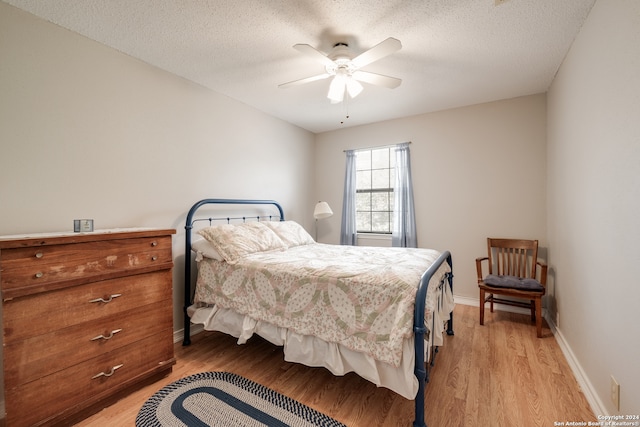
{"x": 420, "y": 330}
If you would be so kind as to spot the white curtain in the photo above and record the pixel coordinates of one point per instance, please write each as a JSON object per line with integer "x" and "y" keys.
{"x": 404, "y": 219}
{"x": 348, "y": 234}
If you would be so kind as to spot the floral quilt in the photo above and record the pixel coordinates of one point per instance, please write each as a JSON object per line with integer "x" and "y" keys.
{"x": 360, "y": 297}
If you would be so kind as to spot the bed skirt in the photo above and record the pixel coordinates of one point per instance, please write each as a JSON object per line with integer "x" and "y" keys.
{"x": 338, "y": 359}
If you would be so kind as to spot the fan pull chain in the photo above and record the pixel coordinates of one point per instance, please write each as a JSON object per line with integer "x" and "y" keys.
{"x": 345, "y": 104}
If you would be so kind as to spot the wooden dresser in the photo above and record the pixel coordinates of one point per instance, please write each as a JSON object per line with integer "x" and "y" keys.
{"x": 85, "y": 316}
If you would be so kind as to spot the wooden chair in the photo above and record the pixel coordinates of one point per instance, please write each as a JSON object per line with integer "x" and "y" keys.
{"x": 512, "y": 273}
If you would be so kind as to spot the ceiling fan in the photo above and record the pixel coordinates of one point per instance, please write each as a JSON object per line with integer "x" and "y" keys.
{"x": 345, "y": 68}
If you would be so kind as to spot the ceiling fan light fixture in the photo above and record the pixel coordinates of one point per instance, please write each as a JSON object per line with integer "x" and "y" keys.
{"x": 353, "y": 87}
{"x": 343, "y": 81}
{"x": 336, "y": 88}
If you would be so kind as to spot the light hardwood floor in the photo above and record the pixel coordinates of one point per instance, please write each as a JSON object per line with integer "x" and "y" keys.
{"x": 498, "y": 374}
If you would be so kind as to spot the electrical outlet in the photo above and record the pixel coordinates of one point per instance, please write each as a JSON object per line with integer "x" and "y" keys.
{"x": 82, "y": 225}
{"x": 615, "y": 393}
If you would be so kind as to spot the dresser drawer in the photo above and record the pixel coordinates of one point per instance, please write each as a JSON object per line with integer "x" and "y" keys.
{"x": 42, "y": 265}
{"x": 39, "y": 314}
{"x": 84, "y": 384}
{"x": 42, "y": 355}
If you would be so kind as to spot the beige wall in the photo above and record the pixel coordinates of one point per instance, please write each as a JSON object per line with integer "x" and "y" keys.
{"x": 594, "y": 201}
{"x": 87, "y": 132}
{"x": 478, "y": 172}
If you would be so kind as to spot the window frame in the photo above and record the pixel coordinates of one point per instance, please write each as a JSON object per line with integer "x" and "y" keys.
{"x": 373, "y": 189}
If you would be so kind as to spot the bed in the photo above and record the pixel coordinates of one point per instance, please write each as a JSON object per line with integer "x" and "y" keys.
{"x": 379, "y": 312}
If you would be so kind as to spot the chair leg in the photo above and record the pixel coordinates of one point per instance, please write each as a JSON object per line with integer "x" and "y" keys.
{"x": 538, "y": 302}
{"x": 482, "y": 306}
{"x": 491, "y": 303}
{"x": 533, "y": 310}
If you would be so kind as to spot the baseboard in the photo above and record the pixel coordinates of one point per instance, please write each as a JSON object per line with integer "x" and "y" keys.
{"x": 589, "y": 391}
{"x": 587, "y": 388}
{"x": 178, "y": 335}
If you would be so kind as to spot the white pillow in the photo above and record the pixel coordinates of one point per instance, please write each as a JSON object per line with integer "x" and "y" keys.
{"x": 205, "y": 248}
{"x": 233, "y": 242}
{"x": 290, "y": 232}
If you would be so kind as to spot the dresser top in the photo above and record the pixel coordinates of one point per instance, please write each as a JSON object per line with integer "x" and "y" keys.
{"x": 65, "y": 237}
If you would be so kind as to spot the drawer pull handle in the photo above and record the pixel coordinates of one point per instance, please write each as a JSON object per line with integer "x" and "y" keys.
{"x": 39, "y": 275}
{"x": 102, "y": 337}
{"x": 39, "y": 255}
{"x": 111, "y": 297}
{"x": 154, "y": 243}
{"x": 154, "y": 258}
{"x": 107, "y": 374}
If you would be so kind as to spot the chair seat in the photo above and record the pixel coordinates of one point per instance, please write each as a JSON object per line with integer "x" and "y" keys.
{"x": 513, "y": 282}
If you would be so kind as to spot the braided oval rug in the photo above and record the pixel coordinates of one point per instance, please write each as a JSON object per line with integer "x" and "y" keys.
{"x": 225, "y": 399}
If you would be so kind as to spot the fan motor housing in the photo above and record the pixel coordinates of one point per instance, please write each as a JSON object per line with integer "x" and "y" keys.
{"x": 340, "y": 51}
{"x": 341, "y": 56}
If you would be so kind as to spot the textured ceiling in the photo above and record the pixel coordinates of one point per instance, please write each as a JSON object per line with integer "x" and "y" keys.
{"x": 454, "y": 52}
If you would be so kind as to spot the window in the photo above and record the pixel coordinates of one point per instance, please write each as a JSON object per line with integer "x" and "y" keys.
{"x": 375, "y": 176}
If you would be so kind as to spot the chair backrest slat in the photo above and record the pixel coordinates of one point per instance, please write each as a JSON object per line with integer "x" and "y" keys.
{"x": 513, "y": 257}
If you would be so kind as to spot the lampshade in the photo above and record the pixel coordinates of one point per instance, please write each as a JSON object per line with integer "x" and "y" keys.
{"x": 336, "y": 89}
{"x": 322, "y": 210}
{"x": 340, "y": 82}
{"x": 353, "y": 87}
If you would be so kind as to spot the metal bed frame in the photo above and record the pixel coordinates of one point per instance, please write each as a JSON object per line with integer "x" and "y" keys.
{"x": 421, "y": 369}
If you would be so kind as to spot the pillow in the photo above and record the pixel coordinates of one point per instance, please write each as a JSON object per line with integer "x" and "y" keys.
{"x": 206, "y": 249}
{"x": 233, "y": 242}
{"x": 290, "y": 232}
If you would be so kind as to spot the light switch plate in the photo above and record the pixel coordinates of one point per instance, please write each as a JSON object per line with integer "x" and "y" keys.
{"x": 82, "y": 225}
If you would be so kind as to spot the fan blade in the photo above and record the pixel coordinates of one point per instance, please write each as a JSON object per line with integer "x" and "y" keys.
{"x": 382, "y": 49}
{"x": 376, "y": 79}
{"x": 314, "y": 53}
{"x": 305, "y": 80}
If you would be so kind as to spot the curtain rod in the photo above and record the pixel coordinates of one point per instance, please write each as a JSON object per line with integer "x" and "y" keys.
{"x": 378, "y": 147}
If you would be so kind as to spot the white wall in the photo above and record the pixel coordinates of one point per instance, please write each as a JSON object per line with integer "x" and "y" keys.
{"x": 87, "y": 132}
{"x": 594, "y": 200}
{"x": 478, "y": 172}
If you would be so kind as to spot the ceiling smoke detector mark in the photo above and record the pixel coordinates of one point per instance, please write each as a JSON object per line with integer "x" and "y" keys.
{"x": 499, "y": 2}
